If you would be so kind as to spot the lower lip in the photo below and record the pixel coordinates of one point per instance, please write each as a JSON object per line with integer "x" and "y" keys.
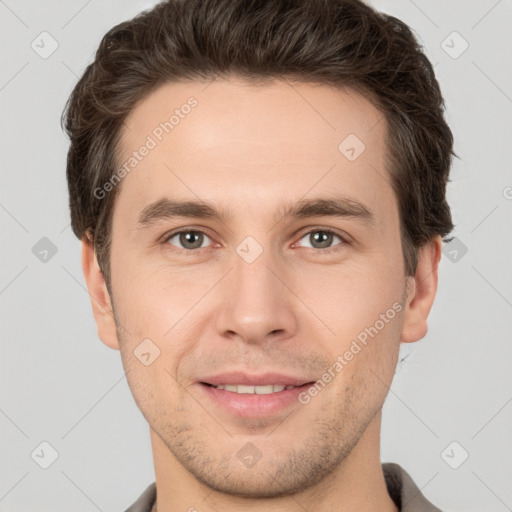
{"x": 247, "y": 405}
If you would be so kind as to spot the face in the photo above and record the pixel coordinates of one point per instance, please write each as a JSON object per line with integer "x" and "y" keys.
{"x": 292, "y": 275}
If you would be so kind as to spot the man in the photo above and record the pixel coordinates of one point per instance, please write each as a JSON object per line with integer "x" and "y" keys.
{"x": 259, "y": 188}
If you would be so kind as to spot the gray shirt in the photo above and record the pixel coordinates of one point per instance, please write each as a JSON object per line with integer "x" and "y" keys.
{"x": 403, "y": 491}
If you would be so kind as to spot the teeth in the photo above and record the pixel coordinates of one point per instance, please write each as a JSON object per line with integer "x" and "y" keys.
{"x": 253, "y": 390}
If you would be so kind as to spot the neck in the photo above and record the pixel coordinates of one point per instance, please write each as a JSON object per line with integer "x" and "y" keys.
{"x": 357, "y": 483}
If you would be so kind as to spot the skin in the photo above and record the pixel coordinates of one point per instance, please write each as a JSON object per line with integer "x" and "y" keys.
{"x": 253, "y": 150}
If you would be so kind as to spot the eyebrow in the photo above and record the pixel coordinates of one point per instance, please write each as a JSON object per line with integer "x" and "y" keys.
{"x": 340, "y": 206}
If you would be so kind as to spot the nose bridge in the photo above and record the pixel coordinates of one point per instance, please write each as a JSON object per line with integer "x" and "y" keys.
{"x": 257, "y": 303}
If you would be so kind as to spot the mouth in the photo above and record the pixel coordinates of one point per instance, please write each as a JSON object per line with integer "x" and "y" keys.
{"x": 244, "y": 389}
{"x": 253, "y": 401}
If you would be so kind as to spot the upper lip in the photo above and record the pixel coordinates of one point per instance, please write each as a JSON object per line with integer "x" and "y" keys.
{"x": 263, "y": 379}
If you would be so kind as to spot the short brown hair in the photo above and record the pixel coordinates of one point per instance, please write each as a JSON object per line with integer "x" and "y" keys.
{"x": 344, "y": 43}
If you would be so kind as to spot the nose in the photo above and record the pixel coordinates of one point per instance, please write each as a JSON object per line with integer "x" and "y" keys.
{"x": 257, "y": 303}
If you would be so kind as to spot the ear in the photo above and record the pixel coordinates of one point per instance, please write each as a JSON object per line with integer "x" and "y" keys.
{"x": 100, "y": 298}
{"x": 421, "y": 291}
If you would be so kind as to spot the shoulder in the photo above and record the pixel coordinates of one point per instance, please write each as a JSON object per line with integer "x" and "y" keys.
{"x": 145, "y": 501}
{"x": 404, "y": 492}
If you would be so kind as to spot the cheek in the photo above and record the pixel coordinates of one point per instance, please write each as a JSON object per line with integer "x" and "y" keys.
{"x": 362, "y": 308}
{"x": 350, "y": 299}
{"x": 160, "y": 313}
{"x": 151, "y": 301}
{"x": 346, "y": 298}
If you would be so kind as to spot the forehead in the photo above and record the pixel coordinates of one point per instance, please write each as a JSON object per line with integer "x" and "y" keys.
{"x": 252, "y": 147}
{"x": 253, "y": 113}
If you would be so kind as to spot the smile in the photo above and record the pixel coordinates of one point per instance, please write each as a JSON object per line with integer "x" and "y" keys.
{"x": 252, "y": 401}
{"x": 253, "y": 390}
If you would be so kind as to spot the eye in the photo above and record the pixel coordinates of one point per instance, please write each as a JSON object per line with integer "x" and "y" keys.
{"x": 322, "y": 239}
{"x": 190, "y": 239}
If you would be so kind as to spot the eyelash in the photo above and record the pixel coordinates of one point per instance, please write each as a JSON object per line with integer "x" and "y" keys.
{"x": 191, "y": 252}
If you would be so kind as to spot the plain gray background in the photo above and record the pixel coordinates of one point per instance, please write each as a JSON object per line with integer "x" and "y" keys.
{"x": 451, "y": 397}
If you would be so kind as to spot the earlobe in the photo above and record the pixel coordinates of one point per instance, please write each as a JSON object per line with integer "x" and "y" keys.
{"x": 421, "y": 291}
{"x": 99, "y": 295}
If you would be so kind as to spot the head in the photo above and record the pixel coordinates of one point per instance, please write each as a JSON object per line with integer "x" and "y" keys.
{"x": 267, "y": 99}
